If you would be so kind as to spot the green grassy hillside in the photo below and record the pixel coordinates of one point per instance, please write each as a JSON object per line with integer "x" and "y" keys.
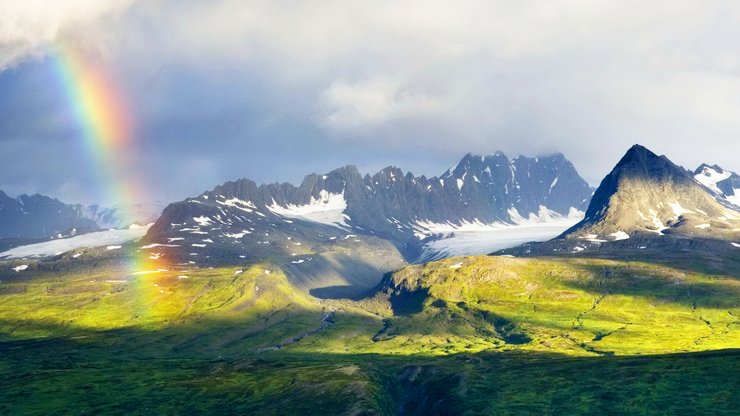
{"x": 571, "y": 306}
{"x": 208, "y": 309}
{"x": 475, "y": 335}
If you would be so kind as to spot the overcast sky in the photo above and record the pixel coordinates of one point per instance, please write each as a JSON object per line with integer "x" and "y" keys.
{"x": 272, "y": 90}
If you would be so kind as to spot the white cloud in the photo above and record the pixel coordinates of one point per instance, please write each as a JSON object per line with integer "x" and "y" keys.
{"x": 368, "y": 103}
{"x": 27, "y": 27}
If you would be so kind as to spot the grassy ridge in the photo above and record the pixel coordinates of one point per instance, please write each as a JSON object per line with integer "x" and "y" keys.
{"x": 208, "y": 307}
{"x": 482, "y": 335}
{"x": 576, "y": 307}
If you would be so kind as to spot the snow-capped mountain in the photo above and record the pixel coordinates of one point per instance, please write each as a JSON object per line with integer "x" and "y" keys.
{"x": 649, "y": 203}
{"x": 390, "y": 204}
{"x": 112, "y": 239}
{"x": 39, "y": 217}
{"x": 722, "y": 183}
{"x": 647, "y": 193}
{"x": 345, "y": 220}
{"x": 398, "y": 206}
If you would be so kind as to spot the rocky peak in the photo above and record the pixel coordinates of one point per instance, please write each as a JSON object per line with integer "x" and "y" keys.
{"x": 647, "y": 193}
{"x": 722, "y": 183}
{"x": 706, "y": 168}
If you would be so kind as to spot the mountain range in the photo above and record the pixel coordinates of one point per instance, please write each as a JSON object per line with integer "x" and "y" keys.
{"x": 337, "y": 233}
{"x": 39, "y": 217}
{"x": 348, "y": 229}
{"x": 295, "y": 298}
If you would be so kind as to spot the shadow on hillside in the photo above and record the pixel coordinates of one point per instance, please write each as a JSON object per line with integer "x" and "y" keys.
{"x": 337, "y": 292}
{"x": 693, "y": 255}
{"x": 727, "y": 264}
{"x": 243, "y": 364}
{"x": 129, "y": 371}
{"x": 359, "y": 276}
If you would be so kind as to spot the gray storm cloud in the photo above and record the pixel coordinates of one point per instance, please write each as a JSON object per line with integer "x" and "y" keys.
{"x": 409, "y": 82}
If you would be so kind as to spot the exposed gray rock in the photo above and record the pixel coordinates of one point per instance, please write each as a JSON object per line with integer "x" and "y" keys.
{"x": 40, "y": 217}
{"x": 647, "y": 205}
{"x": 723, "y": 183}
{"x": 336, "y": 221}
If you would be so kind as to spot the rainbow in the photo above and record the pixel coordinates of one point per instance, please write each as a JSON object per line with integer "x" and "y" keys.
{"x": 101, "y": 113}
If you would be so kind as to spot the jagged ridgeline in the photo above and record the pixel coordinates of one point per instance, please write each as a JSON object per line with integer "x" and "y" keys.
{"x": 341, "y": 221}
{"x": 389, "y": 203}
{"x": 39, "y": 217}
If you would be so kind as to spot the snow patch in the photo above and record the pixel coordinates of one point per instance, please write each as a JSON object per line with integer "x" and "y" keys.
{"x": 20, "y": 268}
{"x": 327, "y": 209}
{"x": 709, "y": 177}
{"x": 620, "y": 235}
{"x": 203, "y": 221}
{"x": 237, "y": 235}
{"x": 148, "y": 246}
{"x": 657, "y": 223}
{"x": 246, "y": 206}
{"x": 475, "y": 237}
{"x": 735, "y": 198}
{"x": 679, "y": 210}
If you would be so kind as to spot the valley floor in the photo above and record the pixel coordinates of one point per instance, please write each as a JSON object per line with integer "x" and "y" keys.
{"x": 465, "y": 335}
{"x": 59, "y": 378}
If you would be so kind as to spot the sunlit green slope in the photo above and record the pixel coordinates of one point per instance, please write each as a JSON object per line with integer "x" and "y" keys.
{"x": 577, "y": 307}
{"x": 475, "y": 335}
{"x": 206, "y": 309}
